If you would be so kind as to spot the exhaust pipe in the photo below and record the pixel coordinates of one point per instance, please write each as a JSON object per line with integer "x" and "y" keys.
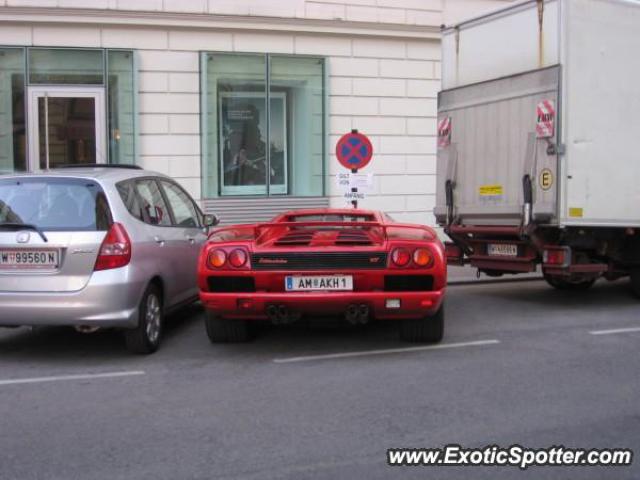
{"x": 86, "y": 329}
{"x": 283, "y": 314}
{"x": 363, "y": 312}
{"x": 272, "y": 313}
{"x": 352, "y": 314}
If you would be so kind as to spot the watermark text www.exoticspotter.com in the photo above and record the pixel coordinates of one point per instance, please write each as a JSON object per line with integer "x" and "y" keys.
{"x": 513, "y": 456}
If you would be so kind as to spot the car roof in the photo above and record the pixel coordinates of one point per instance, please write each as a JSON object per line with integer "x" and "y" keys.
{"x": 97, "y": 173}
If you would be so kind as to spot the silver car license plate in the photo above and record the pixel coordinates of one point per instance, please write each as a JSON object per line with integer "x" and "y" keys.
{"x": 28, "y": 259}
{"x": 301, "y": 283}
{"x": 502, "y": 250}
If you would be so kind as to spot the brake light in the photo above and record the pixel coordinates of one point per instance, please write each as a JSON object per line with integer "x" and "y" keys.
{"x": 237, "y": 258}
{"x": 422, "y": 257}
{"x": 115, "y": 251}
{"x": 217, "y": 258}
{"x": 555, "y": 256}
{"x": 401, "y": 257}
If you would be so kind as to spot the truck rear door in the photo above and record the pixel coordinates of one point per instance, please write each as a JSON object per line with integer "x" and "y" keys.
{"x": 492, "y": 137}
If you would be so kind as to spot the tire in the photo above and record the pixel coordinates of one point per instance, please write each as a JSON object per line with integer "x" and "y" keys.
{"x": 562, "y": 283}
{"x": 224, "y": 330}
{"x": 145, "y": 338}
{"x": 635, "y": 281}
{"x": 429, "y": 329}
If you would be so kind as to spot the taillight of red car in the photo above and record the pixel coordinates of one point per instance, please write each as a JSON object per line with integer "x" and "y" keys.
{"x": 238, "y": 258}
{"x": 422, "y": 257}
{"x": 401, "y": 257}
{"x": 405, "y": 257}
{"x": 115, "y": 251}
{"x": 219, "y": 258}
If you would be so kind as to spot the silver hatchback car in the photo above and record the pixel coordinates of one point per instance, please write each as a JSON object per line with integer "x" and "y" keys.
{"x": 103, "y": 246}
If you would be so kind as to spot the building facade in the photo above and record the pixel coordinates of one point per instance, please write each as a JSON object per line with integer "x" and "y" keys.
{"x": 241, "y": 101}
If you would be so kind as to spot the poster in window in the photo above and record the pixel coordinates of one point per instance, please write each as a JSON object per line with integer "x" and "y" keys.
{"x": 243, "y": 143}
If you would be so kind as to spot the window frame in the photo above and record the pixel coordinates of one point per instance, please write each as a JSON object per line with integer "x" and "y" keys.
{"x": 131, "y": 184}
{"x": 137, "y": 180}
{"x": 205, "y": 154}
{"x": 26, "y": 49}
{"x": 199, "y": 214}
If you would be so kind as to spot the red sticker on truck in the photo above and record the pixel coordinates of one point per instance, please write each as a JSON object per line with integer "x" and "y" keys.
{"x": 545, "y": 125}
{"x": 444, "y": 132}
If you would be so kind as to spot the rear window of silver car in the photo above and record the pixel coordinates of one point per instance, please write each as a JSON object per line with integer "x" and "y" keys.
{"x": 55, "y": 204}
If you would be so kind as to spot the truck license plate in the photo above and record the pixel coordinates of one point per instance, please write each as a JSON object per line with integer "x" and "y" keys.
{"x": 28, "y": 259}
{"x": 502, "y": 250}
{"x": 300, "y": 283}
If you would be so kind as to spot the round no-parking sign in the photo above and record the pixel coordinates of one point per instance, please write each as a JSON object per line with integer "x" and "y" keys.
{"x": 354, "y": 150}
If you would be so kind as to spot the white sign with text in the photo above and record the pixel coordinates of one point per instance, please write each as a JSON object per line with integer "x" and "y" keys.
{"x": 361, "y": 181}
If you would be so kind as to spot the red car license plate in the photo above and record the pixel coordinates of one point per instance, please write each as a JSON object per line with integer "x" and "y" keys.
{"x": 301, "y": 283}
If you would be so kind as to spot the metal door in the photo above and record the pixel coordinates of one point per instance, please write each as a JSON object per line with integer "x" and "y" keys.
{"x": 66, "y": 126}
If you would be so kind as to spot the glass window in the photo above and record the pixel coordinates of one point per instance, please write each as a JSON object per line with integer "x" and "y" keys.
{"x": 253, "y": 146}
{"x": 121, "y": 100}
{"x": 55, "y": 204}
{"x": 184, "y": 211}
{"x": 12, "y": 107}
{"x": 130, "y": 199}
{"x": 297, "y": 125}
{"x": 66, "y": 66}
{"x": 237, "y": 125}
{"x": 72, "y": 131}
{"x": 154, "y": 209}
{"x": 334, "y": 217}
{"x": 71, "y": 119}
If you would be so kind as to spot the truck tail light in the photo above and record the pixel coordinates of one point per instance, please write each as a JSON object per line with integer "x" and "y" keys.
{"x": 401, "y": 257}
{"x": 556, "y": 256}
{"x": 217, "y": 258}
{"x": 238, "y": 258}
{"x": 115, "y": 251}
{"x": 422, "y": 257}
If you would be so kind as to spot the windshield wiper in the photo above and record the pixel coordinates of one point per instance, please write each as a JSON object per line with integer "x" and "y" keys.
{"x": 25, "y": 226}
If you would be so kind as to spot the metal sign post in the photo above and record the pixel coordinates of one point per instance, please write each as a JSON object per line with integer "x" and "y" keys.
{"x": 354, "y": 151}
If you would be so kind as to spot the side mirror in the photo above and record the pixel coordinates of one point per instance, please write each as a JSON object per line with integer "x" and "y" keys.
{"x": 210, "y": 220}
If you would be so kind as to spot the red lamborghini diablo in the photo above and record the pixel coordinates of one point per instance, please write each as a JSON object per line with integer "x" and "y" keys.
{"x": 356, "y": 264}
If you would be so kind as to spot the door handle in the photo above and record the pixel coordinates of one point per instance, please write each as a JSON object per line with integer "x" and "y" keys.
{"x": 158, "y": 240}
{"x": 192, "y": 240}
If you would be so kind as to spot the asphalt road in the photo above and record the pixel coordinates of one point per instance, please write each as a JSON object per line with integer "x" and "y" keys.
{"x": 521, "y": 365}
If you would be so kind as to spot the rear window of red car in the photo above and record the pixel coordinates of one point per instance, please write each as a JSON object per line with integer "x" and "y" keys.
{"x": 332, "y": 217}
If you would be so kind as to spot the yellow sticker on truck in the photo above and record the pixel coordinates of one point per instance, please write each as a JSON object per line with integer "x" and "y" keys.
{"x": 575, "y": 212}
{"x": 490, "y": 190}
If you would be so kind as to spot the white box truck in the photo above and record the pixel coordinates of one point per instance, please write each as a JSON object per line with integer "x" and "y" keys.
{"x": 539, "y": 141}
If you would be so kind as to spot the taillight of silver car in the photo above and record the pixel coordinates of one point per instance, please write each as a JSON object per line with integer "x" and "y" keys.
{"x": 115, "y": 251}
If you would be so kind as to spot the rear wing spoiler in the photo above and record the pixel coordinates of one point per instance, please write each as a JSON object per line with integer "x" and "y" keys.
{"x": 258, "y": 229}
{"x": 318, "y": 223}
